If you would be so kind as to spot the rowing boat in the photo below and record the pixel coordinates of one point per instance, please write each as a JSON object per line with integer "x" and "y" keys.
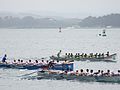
{"x": 110, "y": 58}
{"x": 89, "y": 78}
{"x": 54, "y": 66}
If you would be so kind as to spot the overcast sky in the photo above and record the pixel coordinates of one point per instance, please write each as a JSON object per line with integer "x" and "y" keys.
{"x": 70, "y": 8}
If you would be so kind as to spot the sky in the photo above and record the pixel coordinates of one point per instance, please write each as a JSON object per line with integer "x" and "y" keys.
{"x": 66, "y": 8}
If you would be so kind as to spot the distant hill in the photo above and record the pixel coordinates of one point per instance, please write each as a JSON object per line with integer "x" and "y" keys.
{"x": 26, "y": 20}
{"x": 112, "y": 20}
{"x": 35, "y": 21}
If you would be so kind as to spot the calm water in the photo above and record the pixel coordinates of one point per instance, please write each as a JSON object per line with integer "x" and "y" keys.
{"x": 38, "y": 43}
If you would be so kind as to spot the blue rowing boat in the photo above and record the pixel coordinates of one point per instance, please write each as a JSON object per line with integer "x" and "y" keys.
{"x": 53, "y": 66}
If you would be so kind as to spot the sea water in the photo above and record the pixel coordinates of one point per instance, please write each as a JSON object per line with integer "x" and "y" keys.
{"x": 41, "y": 43}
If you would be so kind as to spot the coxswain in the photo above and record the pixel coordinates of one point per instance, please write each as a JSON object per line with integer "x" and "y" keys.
{"x": 4, "y": 58}
{"x": 58, "y": 55}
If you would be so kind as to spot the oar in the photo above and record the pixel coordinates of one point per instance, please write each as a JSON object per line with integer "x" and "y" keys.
{"x": 28, "y": 74}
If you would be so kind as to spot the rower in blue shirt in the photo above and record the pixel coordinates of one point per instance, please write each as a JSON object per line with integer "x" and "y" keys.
{"x": 4, "y": 58}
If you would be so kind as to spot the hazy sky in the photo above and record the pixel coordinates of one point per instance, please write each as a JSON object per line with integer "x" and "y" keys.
{"x": 75, "y": 8}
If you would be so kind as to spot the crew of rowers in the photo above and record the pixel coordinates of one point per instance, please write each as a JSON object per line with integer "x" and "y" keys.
{"x": 84, "y": 55}
{"x": 35, "y": 62}
{"x": 88, "y": 72}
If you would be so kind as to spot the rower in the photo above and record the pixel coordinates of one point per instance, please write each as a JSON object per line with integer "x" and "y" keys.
{"x": 65, "y": 72}
{"x": 103, "y": 55}
{"x": 30, "y": 62}
{"x": 77, "y": 72}
{"x": 91, "y": 55}
{"x": 82, "y": 55}
{"x": 118, "y": 72}
{"x": 79, "y": 55}
{"x": 99, "y": 55}
{"x": 43, "y": 62}
{"x": 21, "y": 61}
{"x": 65, "y": 61}
{"x": 85, "y": 55}
{"x": 81, "y": 72}
{"x": 4, "y": 58}
{"x": 71, "y": 55}
{"x": 14, "y": 62}
{"x": 87, "y": 71}
{"x": 96, "y": 55}
{"x": 51, "y": 64}
{"x": 107, "y": 73}
{"x": 75, "y": 56}
{"x": 66, "y": 54}
{"x": 96, "y": 73}
{"x": 91, "y": 72}
{"x": 36, "y": 61}
{"x": 107, "y": 54}
{"x": 18, "y": 61}
{"x": 47, "y": 61}
{"x": 102, "y": 73}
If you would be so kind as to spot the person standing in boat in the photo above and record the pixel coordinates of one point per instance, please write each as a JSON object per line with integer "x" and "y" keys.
{"x": 4, "y": 58}
{"x": 58, "y": 55}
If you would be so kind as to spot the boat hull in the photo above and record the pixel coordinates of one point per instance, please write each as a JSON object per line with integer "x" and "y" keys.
{"x": 89, "y": 78}
{"x": 62, "y": 66}
{"x": 110, "y": 58}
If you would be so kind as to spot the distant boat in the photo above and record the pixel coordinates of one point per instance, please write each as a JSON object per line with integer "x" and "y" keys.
{"x": 103, "y": 33}
{"x": 59, "y": 29}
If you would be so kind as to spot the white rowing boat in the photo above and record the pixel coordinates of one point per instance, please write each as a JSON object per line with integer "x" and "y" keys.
{"x": 110, "y": 58}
